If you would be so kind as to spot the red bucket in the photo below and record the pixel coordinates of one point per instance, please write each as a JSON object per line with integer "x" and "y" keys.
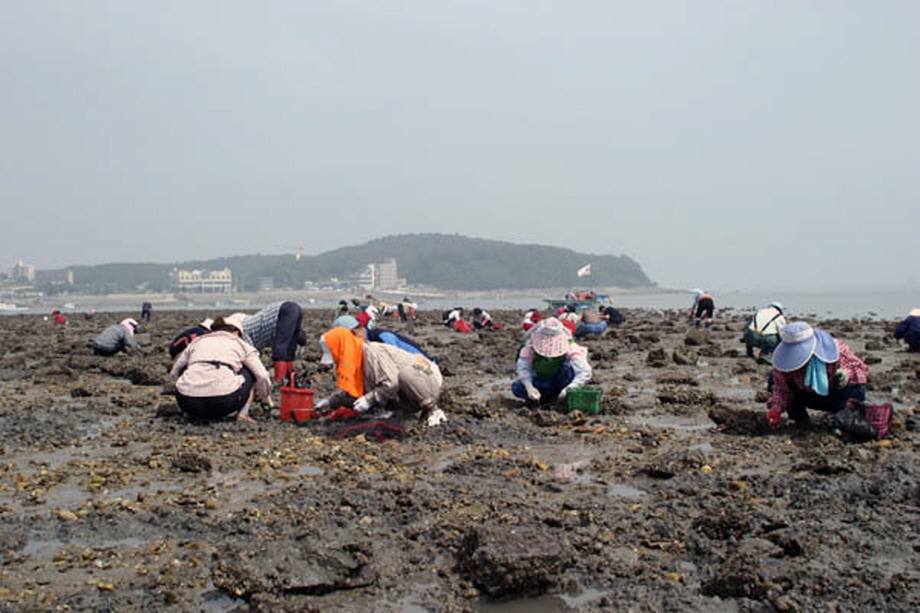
{"x": 296, "y": 404}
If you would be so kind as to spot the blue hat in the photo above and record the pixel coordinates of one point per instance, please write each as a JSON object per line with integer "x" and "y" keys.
{"x": 800, "y": 342}
{"x": 345, "y": 321}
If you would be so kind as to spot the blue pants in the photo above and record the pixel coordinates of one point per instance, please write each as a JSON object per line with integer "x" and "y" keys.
{"x": 549, "y": 388}
{"x": 582, "y": 329}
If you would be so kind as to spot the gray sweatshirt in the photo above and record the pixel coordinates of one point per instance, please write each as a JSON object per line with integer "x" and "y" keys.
{"x": 115, "y": 338}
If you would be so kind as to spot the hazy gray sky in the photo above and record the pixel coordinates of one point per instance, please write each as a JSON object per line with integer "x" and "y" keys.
{"x": 751, "y": 144}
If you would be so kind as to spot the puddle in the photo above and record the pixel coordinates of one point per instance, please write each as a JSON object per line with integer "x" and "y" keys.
{"x": 701, "y": 447}
{"x": 621, "y": 490}
{"x": 673, "y": 422}
{"x": 541, "y": 604}
{"x": 309, "y": 471}
{"x": 587, "y": 595}
{"x": 42, "y": 547}
{"x": 413, "y": 603}
{"x": 214, "y": 600}
{"x": 555, "y": 603}
{"x": 47, "y": 459}
{"x": 49, "y": 547}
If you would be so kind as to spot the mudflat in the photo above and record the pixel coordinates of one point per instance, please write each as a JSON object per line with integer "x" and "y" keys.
{"x": 674, "y": 497}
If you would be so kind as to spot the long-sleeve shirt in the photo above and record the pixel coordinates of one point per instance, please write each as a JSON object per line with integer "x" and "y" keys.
{"x": 115, "y": 338}
{"x": 378, "y": 335}
{"x": 576, "y": 355}
{"x": 785, "y": 384}
{"x": 275, "y": 326}
{"x": 259, "y": 328}
{"x": 909, "y": 330}
{"x": 394, "y": 377}
{"x": 211, "y": 366}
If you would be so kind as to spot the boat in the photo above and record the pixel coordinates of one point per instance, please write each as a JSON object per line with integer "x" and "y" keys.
{"x": 582, "y": 301}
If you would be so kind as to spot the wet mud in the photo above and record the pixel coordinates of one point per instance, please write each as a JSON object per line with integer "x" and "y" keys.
{"x": 674, "y": 497}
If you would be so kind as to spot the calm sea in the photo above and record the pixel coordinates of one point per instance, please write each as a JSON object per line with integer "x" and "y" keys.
{"x": 876, "y": 305}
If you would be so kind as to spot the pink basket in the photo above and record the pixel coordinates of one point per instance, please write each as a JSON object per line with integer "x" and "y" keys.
{"x": 879, "y": 417}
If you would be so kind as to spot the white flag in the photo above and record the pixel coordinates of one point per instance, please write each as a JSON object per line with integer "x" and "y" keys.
{"x": 584, "y": 271}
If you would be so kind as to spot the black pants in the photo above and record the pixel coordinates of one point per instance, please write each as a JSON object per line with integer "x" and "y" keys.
{"x": 215, "y": 407}
{"x": 284, "y": 345}
{"x": 833, "y": 402}
{"x": 705, "y": 307}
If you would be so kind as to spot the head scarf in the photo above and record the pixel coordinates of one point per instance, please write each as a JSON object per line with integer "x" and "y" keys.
{"x": 130, "y": 325}
{"x": 348, "y": 352}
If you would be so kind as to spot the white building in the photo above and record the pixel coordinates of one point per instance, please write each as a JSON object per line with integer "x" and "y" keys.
{"x": 22, "y": 272}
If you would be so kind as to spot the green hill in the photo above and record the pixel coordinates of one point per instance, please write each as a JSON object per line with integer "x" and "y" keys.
{"x": 447, "y": 261}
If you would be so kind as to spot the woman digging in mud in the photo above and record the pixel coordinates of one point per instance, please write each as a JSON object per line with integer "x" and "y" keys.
{"x": 378, "y": 375}
{"x": 813, "y": 370}
{"x": 219, "y": 372}
{"x": 550, "y": 363}
{"x": 116, "y": 338}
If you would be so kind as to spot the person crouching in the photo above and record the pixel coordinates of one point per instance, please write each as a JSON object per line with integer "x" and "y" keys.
{"x": 811, "y": 369}
{"x": 550, "y": 363}
{"x": 376, "y": 375}
{"x": 218, "y": 374}
{"x": 909, "y": 330}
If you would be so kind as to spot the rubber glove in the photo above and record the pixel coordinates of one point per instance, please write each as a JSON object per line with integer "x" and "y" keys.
{"x": 773, "y": 416}
{"x": 842, "y": 377}
{"x": 321, "y": 403}
{"x": 283, "y": 369}
{"x": 563, "y": 393}
{"x": 436, "y": 417}
{"x": 362, "y": 404}
{"x": 532, "y": 392}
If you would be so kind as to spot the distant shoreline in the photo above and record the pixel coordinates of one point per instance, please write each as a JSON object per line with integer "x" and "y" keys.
{"x": 242, "y": 299}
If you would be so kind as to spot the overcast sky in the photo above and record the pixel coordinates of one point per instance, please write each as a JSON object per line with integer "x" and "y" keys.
{"x": 753, "y": 144}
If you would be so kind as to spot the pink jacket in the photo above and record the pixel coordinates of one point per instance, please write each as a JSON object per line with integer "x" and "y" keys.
{"x": 211, "y": 364}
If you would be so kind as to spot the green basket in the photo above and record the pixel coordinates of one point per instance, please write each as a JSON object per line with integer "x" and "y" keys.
{"x": 585, "y": 399}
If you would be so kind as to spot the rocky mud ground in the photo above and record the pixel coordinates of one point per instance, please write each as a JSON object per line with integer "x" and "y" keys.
{"x": 673, "y": 498}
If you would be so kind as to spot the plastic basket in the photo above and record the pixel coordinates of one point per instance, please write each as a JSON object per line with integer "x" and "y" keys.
{"x": 296, "y": 403}
{"x": 585, "y": 399}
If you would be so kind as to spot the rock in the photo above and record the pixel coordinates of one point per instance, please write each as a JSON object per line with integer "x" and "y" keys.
{"x": 696, "y": 338}
{"x": 668, "y": 465}
{"x": 724, "y": 524}
{"x": 505, "y": 561}
{"x": 657, "y": 358}
{"x": 294, "y": 566}
{"x": 684, "y": 356}
{"x": 191, "y": 463}
{"x": 739, "y": 577}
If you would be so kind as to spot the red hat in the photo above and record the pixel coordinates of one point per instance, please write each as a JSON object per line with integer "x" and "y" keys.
{"x": 363, "y": 318}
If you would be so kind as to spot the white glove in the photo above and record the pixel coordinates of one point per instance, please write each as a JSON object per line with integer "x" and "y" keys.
{"x": 321, "y": 404}
{"x": 563, "y": 393}
{"x": 532, "y": 392}
{"x": 362, "y": 404}
{"x": 436, "y": 417}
